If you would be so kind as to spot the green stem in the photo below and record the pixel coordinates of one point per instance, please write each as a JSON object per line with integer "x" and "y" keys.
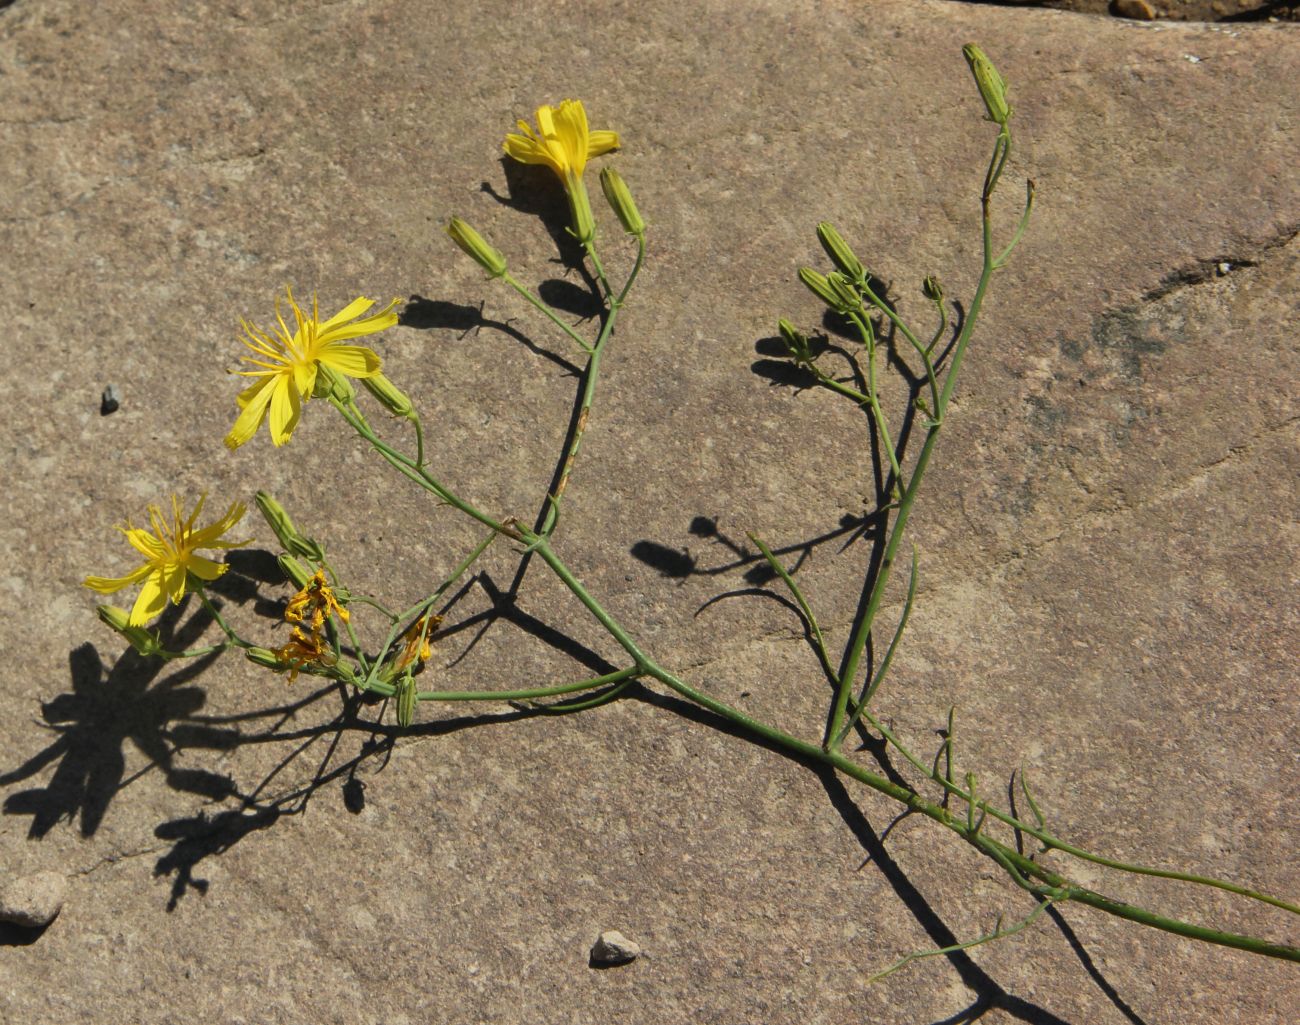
{"x": 590, "y": 378}
{"x": 546, "y": 311}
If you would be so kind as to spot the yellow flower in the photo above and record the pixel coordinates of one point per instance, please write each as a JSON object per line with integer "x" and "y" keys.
{"x": 318, "y": 597}
{"x": 169, "y": 553}
{"x": 289, "y": 363}
{"x": 563, "y": 143}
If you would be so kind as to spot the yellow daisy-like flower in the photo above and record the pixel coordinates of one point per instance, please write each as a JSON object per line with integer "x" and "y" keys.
{"x": 564, "y": 143}
{"x": 288, "y": 363}
{"x": 169, "y": 553}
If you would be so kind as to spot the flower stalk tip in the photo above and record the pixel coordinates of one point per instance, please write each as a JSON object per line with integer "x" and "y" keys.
{"x": 475, "y": 247}
{"x": 620, "y": 199}
{"x": 992, "y": 86}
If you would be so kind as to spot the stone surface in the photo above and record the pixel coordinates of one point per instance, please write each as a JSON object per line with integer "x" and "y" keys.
{"x": 33, "y": 901}
{"x": 1107, "y": 541}
{"x": 613, "y": 948}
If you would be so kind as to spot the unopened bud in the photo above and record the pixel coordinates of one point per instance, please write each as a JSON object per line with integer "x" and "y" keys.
{"x": 294, "y": 570}
{"x": 406, "y": 701}
{"x": 838, "y": 250}
{"x": 120, "y": 620}
{"x": 932, "y": 289}
{"x": 620, "y": 198}
{"x": 819, "y": 286}
{"x": 475, "y": 247}
{"x": 389, "y": 395}
{"x": 796, "y": 344}
{"x": 993, "y": 90}
{"x": 846, "y": 296}
{"x": 291, "y": 539}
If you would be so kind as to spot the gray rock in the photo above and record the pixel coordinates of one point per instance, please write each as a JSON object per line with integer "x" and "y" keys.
{"x": 614, "y": 948}
{"x": 33, "y": 901}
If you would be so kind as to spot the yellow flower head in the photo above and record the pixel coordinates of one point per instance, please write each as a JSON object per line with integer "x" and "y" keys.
{"x": 318, "y": 598}
{"x": 288, "y": 362}
{"x": 563, "y": 143}
{"x": 169, "y": 552}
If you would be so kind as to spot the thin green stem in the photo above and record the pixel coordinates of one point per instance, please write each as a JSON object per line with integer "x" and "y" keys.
{"x": 590, "y": 379}
{"x": 530, "y": 693}
{"x": 997, "y": 934}
{"x": 784, "y": 574}
{"x": 547, "y": 312}
{"x": 869, "y": 688}
{"x": 215, "y": 613}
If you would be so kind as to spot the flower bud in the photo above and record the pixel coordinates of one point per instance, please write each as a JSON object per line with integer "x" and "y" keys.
{"x": 406, "y": 701}
{"x": 290, "y": 538}
{"x": 846, "y": 296}
{"x": 120, "y": 620}
{"x": 389, "y": 395}
{"x": 264, "y": 657}
{"x": 294, "y": 570}
{"x": 476, "y": 248}
{"x": 819, "y": 286}
{"x": 993, "y": 90}
{"x": 838, "y": 250}
{"x": 932, "y": 289}
{"x": 620, "y": 198}
{"x": 796, "y": 344}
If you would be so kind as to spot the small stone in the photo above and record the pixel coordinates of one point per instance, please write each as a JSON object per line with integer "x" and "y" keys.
{"x": 108, "y": 401}
{"x": 1138, "y": 10}
{"x": 614, "y": 948}
{"x": 33, "y": 901}
{"x": 1223, "y": 268}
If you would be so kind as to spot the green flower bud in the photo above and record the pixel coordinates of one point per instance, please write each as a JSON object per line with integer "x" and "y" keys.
{"x": 294, "y": 570}
{"x": 406, "y": 701}
{"x": 264, "y": 657}
{"x": 620, "y": 198}
{"x": 473, "y": 245}
{"x": 932, "y": 289}
{"x": 290, "y": 538}
{"x": 389, "y": 395}
{"x": 819, "y": 286}
{"x": 120, "y": 620}
{"x": 796, "y": 344}
{"x": 993, "y": 90}
{"x": 846, "y": 296}
{"x": 838, "y": 250}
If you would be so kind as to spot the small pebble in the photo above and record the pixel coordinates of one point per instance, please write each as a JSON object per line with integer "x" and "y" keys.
{"x": 108, "y": 402}
{"x": 33, "y": 901}
{"x": 1223, "y": 268}
{"x": 614, "y": 948}
{"x": 1138, "y": 10}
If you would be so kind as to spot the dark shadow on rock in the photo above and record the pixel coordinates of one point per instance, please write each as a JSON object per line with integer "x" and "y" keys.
{"x": 432, "y": 314}
{"x": 105, "y": 709}
{"x": 19, "y": 936}
{"x": 991, "y": 995}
